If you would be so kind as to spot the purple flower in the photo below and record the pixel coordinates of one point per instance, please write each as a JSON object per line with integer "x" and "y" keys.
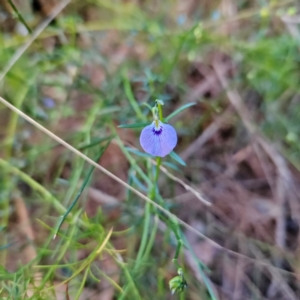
{"x": 158, "y": 139}
{"x": 48, "y": 102}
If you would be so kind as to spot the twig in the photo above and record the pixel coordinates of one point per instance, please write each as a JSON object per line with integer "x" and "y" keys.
{"x": 186, "y": 186}
{"x": 291, "y": 24}
{"x": 34, "y": 35}
{"x": 138, "y": 193}
{"x": 284, "y": 177}
{"x": 64, "y": 216}
{"x": 291, "y": 19}
{"x": 20, "y": 17}
{"x": 32, "y": 183}
{"x": 102, "y": 169}
{"x": 261, "y": 158}
{"x": 205, "y": 136}
{"x": 278, "y": 283}
{"x": 102, "y": 198}
{"x": 246, "y": 14}
{"x": 202, "y": 88}
{"x": 25, "y": 228}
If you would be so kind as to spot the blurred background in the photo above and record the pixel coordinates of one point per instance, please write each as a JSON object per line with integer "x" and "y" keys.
{"x": 90, "y": 68}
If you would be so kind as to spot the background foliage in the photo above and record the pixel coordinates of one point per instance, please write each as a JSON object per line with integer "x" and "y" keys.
{"x": 91, "y": 70}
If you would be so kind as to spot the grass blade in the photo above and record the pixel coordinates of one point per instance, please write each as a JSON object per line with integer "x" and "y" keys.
{"x": 20, "y": 17}
{"x": 95, "y": 142}
{"x": 177, "y": 158}
{"x": 64, "y": 216}
{"x": 179, "y": 110}
{"x": 136, "y": 125}
{"x": 129, "y": 94}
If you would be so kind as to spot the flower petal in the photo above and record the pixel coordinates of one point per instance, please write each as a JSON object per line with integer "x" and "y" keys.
{"x": 158, "y": 141}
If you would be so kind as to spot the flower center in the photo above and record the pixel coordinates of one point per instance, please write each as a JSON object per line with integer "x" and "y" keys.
{"x": 157, "y": 130}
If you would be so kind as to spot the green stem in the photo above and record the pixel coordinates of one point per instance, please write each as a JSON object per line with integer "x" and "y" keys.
{"x": 47, "y": 196}
{"x": 152, "y": 237}
{"x": 146, "y": 228}
{"x": 172, "y": 224}
{"x": 158, "y": 163}
{"x": 160, "y": 114}
{"x": 145, "y": 249}
{"x": 7, "y": 184}
{"x": 174, "y": 61}
{"x": 64, "y": 216}
{"x": 20, "y": 17}
{"x": 174, "y": 228}
{"x": 83, "y": 281}
{"x": 58, "y": 253}
{"x": 131, "y": 285}
{"x": 129, "y": 94}
{"x": 144, "y": 236}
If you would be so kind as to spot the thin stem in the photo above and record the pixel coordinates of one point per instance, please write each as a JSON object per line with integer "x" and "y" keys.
{"x": 145, "y": 249}
{"x": 158, "y": 163}
{"x": 160, "y": 114}
{"x": 57, "y": 9}
{"x": 152, "y": 237}
{"x": 131, "y": 98}
{"x": 47, "y": 196}
{"x": 144, "y": 236}
{"x": 64, "y": 216}
{"x": 7, "y": 183}
{"x": 174, "y": 228}
{"x": 20, "y": 17}
{"x": 117, "y": 179}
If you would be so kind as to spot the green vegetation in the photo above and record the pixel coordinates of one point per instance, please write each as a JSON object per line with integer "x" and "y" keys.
{"x": 70, "y": 231}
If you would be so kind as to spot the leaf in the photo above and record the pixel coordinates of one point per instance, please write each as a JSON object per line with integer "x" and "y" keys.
{"x": 129, "y": 94}
{"x": 64, "y": 216}
{"x": 179, "y": 110}
{"x": 138, "y": 183}
{"x": 136, "y": 125}
{"x": 138, "y": 153}
{"x": 95, "y": 142}
{"x": 177, "y": 158}
{"x": 171, "y": 166}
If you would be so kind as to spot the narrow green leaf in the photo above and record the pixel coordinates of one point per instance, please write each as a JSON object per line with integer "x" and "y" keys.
{"x": 136, "y": 125}
{"x": 138, "y": 153}
{"x": 146, "y": 104}
{"x": 5, "y": 246}
{"x": 129, "y": 94}
{"x": 64, "y": 216}
{"x": 95, "y": 142}
{"x": 20, "y": 17}
{"x": 179, "y": 110}
{"x": 177, "y": 158}
{"x": 138, "y": 183}
{"x": 171, "y": 166}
